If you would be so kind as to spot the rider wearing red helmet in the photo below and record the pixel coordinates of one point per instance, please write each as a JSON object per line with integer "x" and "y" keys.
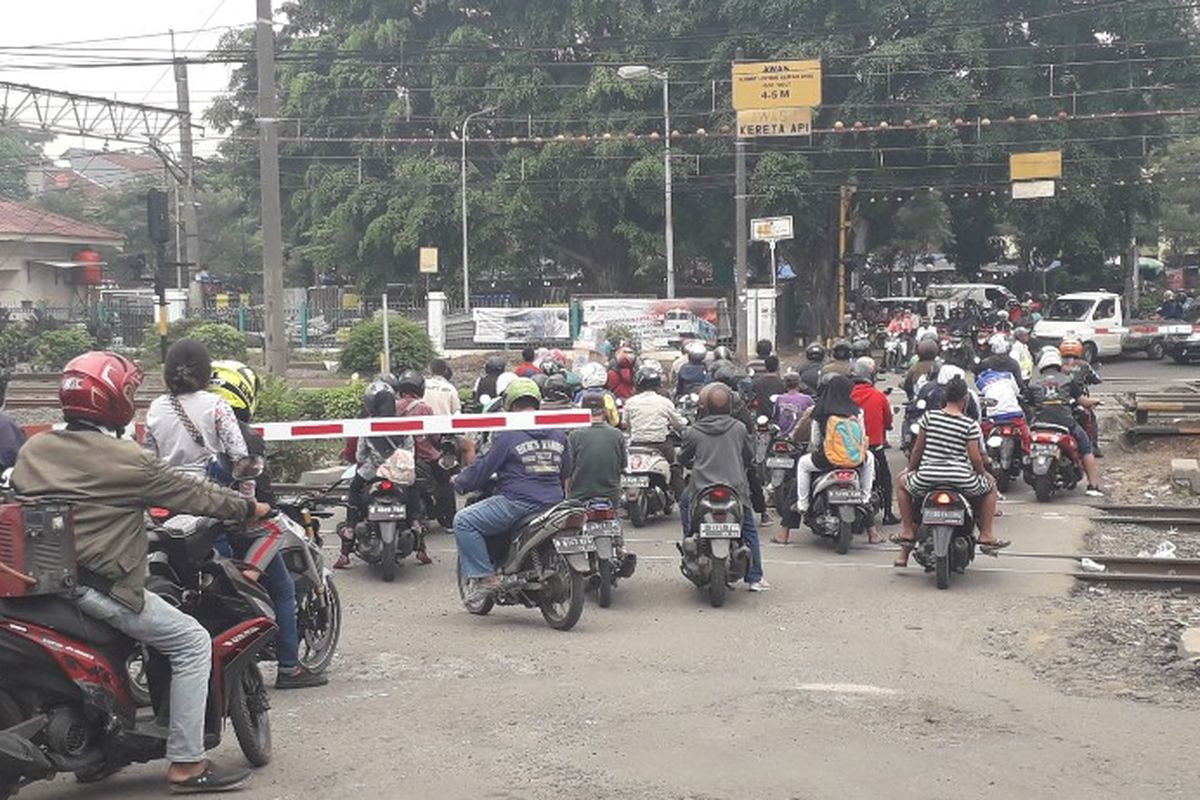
{"x": 110, "y": 505}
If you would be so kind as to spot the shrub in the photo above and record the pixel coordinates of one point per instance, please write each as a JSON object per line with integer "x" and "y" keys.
{"x": 280, "y": 401}
{"x": 223, "y": 341}
{"x": 16, "y": 345}
{"x": 411, "y": 347}
{"x": 53, "y": 349}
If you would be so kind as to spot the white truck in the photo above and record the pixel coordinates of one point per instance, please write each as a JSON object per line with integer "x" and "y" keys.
{"x": 1098, "y": 320}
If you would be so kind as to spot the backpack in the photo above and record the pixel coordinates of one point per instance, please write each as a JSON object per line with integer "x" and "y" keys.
{"x": 788, "y": 410}
{"x": 845, "y": 442}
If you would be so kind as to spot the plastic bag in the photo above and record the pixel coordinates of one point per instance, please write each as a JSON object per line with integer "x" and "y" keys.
{"x": 400, "y": 468}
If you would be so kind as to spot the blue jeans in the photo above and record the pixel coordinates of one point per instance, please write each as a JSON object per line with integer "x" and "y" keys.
{"x": 749, "y": 536}
{"x": 279, "y": 584}
{"x": 494, "y": 516}
{"x": 184, "y": 643}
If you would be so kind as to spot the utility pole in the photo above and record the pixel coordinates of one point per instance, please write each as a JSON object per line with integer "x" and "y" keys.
{"x": 743, "y": 234}
{"x": 188, "y": 218}
{"x": 843, "y": 249}
{"x": 669, "y": 202}
{"x": 275, "y": 341}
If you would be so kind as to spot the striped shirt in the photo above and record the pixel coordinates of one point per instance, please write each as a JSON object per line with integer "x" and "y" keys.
{"x": 945, "y": 454}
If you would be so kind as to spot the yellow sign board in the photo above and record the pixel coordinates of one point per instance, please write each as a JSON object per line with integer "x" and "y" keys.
{"x": 774, "y": 122}
{"x": 1036, "y": 166}
{"x": 429, "y": 260}
{"x": 776, "y": 84}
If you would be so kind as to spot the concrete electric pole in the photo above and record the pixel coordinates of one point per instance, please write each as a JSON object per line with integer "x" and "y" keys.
{"x": 190, "y": 251}
{"x": 275, "y": 335}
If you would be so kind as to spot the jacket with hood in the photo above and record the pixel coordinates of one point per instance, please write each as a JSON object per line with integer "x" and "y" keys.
{"x": 530, "y": 467}
{"x": 717, "y": 449}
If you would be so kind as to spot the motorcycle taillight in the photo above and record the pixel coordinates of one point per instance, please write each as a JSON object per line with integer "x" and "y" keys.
{"x": 599, "y": 514}
{"x": 159, "y": 514}
{"x": 944, "y": 499}
{"x": 845, "y": 475}
{"x": 1006, "y": 431}
{"x": 386, "y": 486}
{"x": 781, "y": 447}
{"x": 721, "y": 494}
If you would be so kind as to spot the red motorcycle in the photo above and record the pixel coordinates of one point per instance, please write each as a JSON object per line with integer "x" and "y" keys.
{"x": 1007, "y": 451}
{"x": 67, "y": 700}
{"x": 1054, "y": 462}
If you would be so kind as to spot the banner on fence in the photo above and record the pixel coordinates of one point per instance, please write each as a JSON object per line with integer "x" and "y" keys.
{"x": 521, "y": 325}
{"x": 658, "y": 324}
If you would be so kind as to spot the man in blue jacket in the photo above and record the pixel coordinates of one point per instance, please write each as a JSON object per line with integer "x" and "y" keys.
{"x": 529, "y": 468}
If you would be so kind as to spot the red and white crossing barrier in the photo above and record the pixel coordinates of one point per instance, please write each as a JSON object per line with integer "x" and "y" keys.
{"x": 409, "y": 426}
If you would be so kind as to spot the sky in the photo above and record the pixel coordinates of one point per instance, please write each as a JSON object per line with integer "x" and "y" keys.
{"x": 198, "y": 24}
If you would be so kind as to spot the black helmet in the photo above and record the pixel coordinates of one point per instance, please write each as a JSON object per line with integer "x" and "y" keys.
{"x": 764, "y": 348}
{"x": 815, "y": 353}
{"x": 188, "y": 367}
{"x": 494, "y": 366}
{"x": 649, "y": 376}
{"x": 861, "y": 348}
{"x": 696, "y": 352}
{"x": 842, "y": 350}
{"x": 727, "y": 375}
{"x": 722, "y": 353}
{"x": 927, "y": 349}
{"x": 379, "y": 400}
{"x": 554, "y": 387}
{"x": 410, "y": 383}
{"x": 389, "y": 379}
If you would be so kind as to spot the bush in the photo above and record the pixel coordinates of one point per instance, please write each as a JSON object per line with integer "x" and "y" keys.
{"x": 280, "y": 401}
{"x": 411, "y": 347}
{"x": 223, "y": 341}
{"x": 53, "y": 349}
{"x": 16, "y": 345}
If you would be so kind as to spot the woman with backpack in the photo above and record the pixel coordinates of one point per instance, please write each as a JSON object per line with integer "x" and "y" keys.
{"x": 838, "y": 440}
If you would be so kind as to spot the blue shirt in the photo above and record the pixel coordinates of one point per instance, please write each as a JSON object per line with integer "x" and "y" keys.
{"x": 530, "y": 467}
{"x": 12, "y": 438}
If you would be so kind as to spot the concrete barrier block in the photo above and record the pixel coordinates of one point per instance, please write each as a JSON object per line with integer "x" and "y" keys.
{"x": 321, "y": 477}
{"x": 1185, "y": 472}
{"x": 1189, "y": 644}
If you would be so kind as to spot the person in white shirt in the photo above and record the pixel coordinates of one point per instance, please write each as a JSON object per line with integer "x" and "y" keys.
{"x": 650, "y": 417}
{"x": 926, "y": 328}
{"x": 440, "y": 394}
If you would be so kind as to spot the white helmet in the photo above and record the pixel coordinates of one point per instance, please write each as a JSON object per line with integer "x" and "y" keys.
{"x": 949, "y": 372}
{"x": 1000, "y": 344}
{"x": 503, "y": 381}
{"x": 1050, "y": 358}
{"x": 593, "y": 376}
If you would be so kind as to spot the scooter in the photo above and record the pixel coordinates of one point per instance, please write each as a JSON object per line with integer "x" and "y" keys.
{"x": 647, "y": 485}
{"x": 433, "y": 483}
{"x": 1054, "y": 462}
{"x": 1006, "y": 450}
{"x": 837, "y": 510}
{"x": 895, "y": 351}
{"x": 714, "y": 555}
{"x": 610, "y": 560}
{"x": 391, "y": 531}
{"x": 945, "y": 535}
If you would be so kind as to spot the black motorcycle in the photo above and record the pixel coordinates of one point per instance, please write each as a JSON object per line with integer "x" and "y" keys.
{"x": 946, "y": 535}
{"x": 610, "y": 560}
{"x": 714, "y": 555}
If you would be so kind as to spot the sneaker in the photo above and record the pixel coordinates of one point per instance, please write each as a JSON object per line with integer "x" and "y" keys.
{"x": 343, "y": 562}
{"x": 759, "y": 586}
{"x": 765, "y": 519}
{"x": 479, "y": 589}
{"x": 213, "y": 780}
{"x": 299, "y": 678}
{"x": 1094, "y": 491}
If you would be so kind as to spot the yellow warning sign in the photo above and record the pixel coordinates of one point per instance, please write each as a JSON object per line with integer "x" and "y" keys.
{"x": 774, "y": 122}
{"x": 1036, "y": 166}
{"x": 776, "y": 84}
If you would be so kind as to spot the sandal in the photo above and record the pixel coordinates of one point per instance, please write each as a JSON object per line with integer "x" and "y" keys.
{"x": 775, "y": 540}
{"x": 898, "y": 564}
{"x": 896, "y": 538}
{"x": 991, "y": 548}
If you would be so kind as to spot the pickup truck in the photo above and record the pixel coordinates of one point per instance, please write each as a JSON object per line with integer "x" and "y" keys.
{"x": 1098, "y": 320}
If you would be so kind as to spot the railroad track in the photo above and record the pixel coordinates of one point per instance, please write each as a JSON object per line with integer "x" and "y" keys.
{"x": 1159, "y": 574}
{"x": 1152, "y": 516}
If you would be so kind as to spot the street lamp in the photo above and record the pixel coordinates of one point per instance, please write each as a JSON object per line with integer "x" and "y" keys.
{"x": 640, "y": 72}
{"x": 466, "y": 261}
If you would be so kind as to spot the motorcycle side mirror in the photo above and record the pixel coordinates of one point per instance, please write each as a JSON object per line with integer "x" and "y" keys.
{"x": 922, "y": 405}
{"x": 763, "y": 420}
{"x": 485, "y": 400}
{"x": 249, "y": 467}
{"x": 774, "y": 398}
{"x": 695, "y": 398}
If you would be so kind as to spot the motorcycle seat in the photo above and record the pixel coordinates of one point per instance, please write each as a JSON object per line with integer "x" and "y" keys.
{"x": 62, "y": 615}
{"x": 1049, "y": 426}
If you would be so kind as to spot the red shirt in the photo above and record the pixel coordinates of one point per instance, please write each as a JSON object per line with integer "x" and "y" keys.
{"x": 877, "y": 412}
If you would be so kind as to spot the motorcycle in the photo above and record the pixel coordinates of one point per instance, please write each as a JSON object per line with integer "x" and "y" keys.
{"x": 714, "y": 555}
{"x": 391, "y": 531}
{"x": 781, "y": 462}
{"x": 912, "y": 425}
{"x": 1054, "y": 461}
{"x": 542, "y": 564}
{"x": 688, "y": 406}
{"x": 1006, "y": 450}
{"x": 945, "y": 535}
{"x": 318, "y": 606}
{"x": 66, "y": 703}
{"x": 837, "y": 510}
{"x": 765, "y": 433}
{"x": 434, "y": 486}
{"x": 610, "y": 559}
{"x": 647, "y": 485}
{"x": 957, "y": 351}
{"x": 895, "y": 352}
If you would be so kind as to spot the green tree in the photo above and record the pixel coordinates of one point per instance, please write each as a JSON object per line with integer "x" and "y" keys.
{"x": 17, "y": 154}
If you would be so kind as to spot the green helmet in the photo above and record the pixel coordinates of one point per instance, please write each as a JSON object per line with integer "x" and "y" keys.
{"x": 519, "y": 389}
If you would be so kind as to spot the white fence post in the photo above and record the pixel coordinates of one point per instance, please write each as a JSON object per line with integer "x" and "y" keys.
{"x": 436, "y": 320}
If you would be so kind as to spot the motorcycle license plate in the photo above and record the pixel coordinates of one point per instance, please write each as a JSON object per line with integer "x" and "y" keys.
{"x": 844, "y": 496}
{"x": 635, "y": 481}
{"x": 386, "y": 513}
{"x": 609, "y": 527}
{"x": 781, "y": 463}
{"x": 720, "y": 530}
{"x": 944, "y": 516}
{"x": 569, "y": 545}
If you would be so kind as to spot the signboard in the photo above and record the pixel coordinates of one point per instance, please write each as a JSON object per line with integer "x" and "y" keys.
{"x": 658, "y": 324}
{"x": 772, "y": 229}
{"x": 1035, "y": 166}
{"x": 776, "y": 84}
{"x": 1032, "y": 190}
{"x": 774, "y": 122}
{"x": 429, "y": 260}
{"x": 521, "y": 325}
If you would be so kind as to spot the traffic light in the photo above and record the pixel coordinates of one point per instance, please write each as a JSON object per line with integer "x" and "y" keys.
{"x": 156, "y": 216}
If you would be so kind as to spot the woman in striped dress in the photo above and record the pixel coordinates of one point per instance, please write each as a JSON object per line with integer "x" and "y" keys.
{"x": 947, "y": 453}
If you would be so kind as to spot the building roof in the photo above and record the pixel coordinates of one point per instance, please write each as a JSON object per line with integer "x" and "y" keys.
{"x": 20, "y": 221}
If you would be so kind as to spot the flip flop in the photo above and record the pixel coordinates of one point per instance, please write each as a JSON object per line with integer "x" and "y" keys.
{"x": 992, "y": 548}
{"x": 776, "y": 541}
{"x": 896, "y": 538}
{"x": 899, "y": 565}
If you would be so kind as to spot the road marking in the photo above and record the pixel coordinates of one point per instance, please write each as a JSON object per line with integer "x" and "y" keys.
{"x": 847, "y": 688}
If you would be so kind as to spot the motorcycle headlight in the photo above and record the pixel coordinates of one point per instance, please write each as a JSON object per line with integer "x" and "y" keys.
{"x": 994, "y": 441}
{"x": 915, "y": 428}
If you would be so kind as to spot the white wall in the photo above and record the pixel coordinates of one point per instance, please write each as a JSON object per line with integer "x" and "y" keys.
{"x": 37, "y": 284}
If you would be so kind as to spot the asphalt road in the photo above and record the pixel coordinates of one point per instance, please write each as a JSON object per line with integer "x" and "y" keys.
{"x": 850, "y": 679}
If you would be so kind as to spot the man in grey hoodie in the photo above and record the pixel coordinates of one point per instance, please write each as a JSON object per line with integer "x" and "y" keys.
{"x": 717, "y": 449}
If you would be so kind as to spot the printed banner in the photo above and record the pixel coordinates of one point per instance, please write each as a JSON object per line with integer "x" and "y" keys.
{"x": 521, "y": 325}
{"x": 658, "y": 324}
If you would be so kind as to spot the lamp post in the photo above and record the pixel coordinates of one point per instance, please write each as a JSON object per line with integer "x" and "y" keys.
{"x": 643, "y": 72}
{"x": 466, "y": 260}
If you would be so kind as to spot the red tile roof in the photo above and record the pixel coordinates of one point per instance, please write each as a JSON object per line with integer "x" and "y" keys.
{"x": 134, "y": 162}
{"x": 21, "y": 221}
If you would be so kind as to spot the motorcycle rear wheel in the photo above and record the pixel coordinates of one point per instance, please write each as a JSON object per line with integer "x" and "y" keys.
{"x": 561, "y": 613}
{"x": 845, "y": 536}
{"x": 604, "y": 590}
{"x": 717, "y": 587}
{"x": 1003, "y": 480}
{"x": 389, "y": 561}
{"x": 639, "y": 511}
{"x": 249, "y": 713}
{"x": 942, "y": 570}
{"x": 1043, "y": 487}
{"x": 481, "y": 608}
{"x": 320, "y": 645}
